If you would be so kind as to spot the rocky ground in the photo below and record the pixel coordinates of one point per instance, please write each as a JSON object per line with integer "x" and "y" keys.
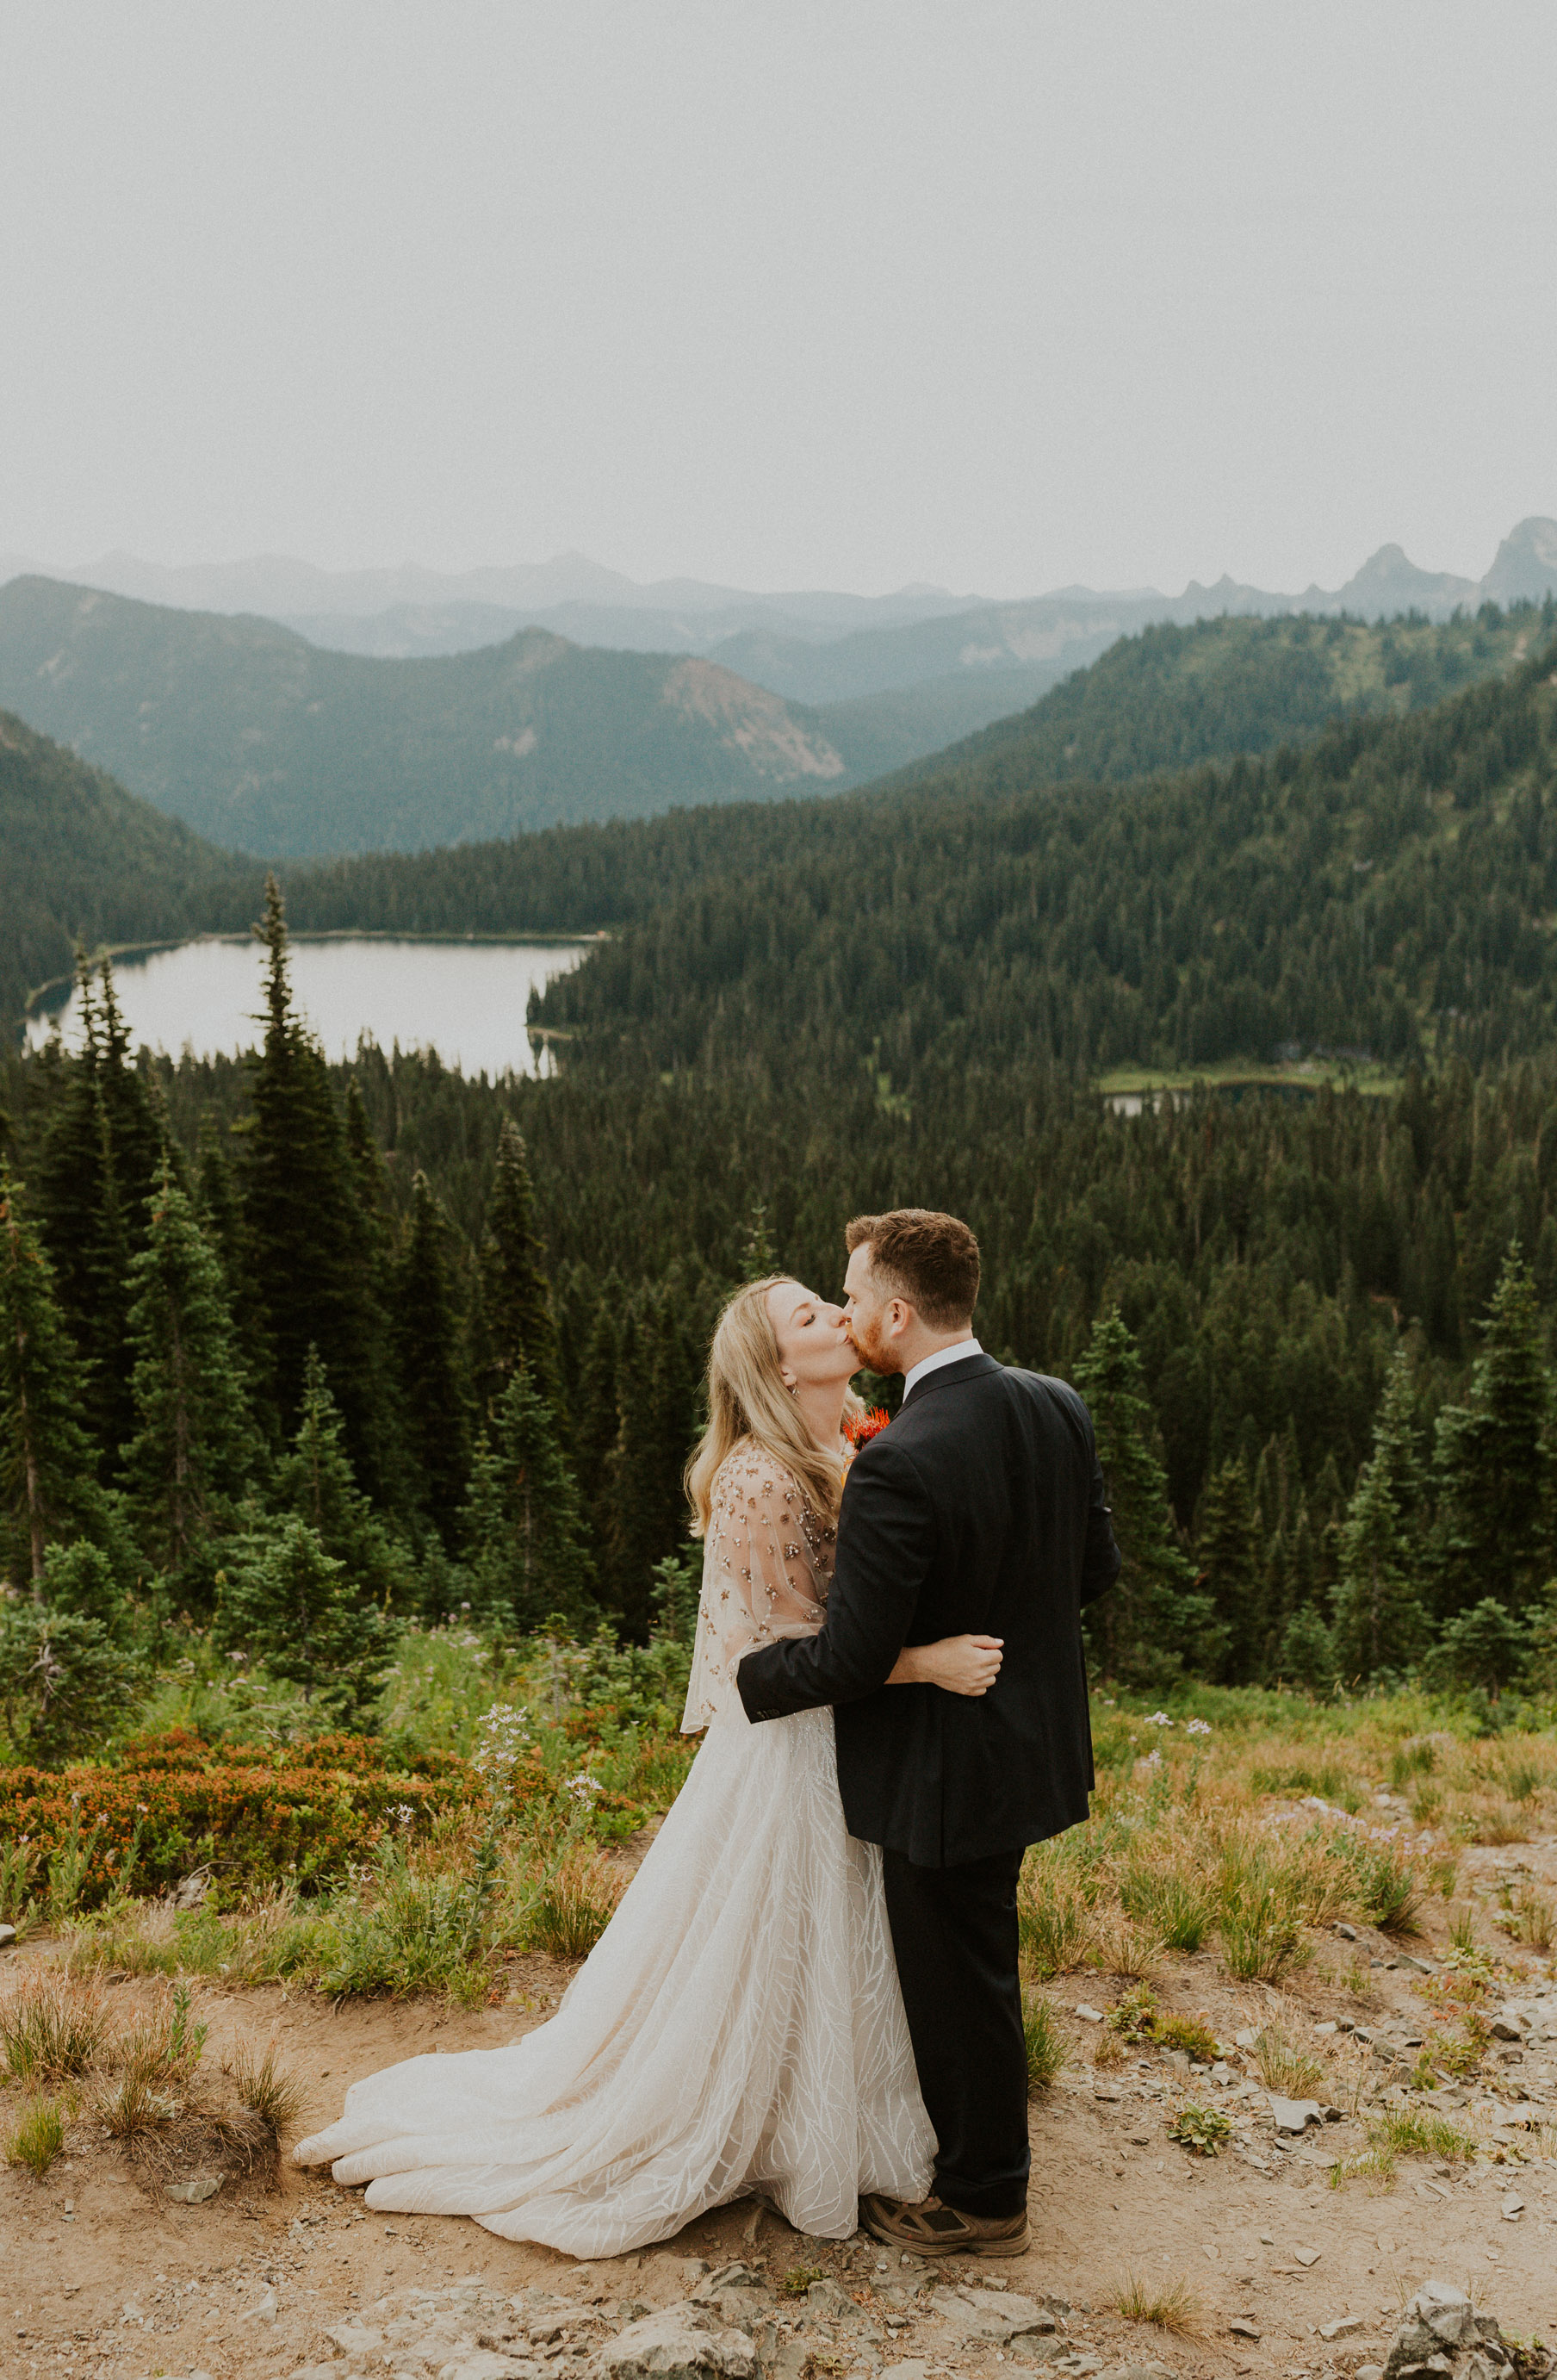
{"x": 1259, "y": 2265}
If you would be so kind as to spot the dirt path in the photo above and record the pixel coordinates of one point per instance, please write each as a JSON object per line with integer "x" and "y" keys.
{"x": 104, "y": 2273}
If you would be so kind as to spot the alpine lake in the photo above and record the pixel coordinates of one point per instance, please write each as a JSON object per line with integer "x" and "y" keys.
{"x": 467, "y": 999}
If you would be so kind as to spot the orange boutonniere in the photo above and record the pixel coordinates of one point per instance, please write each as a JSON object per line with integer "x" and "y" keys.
{"x": 866, "y": 1426}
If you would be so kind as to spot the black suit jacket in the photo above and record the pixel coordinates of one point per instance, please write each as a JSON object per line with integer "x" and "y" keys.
{"x": 980, "y": 1510}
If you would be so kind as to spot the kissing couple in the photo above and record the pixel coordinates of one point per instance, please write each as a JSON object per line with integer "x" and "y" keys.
{"x": 809, "y": 1992}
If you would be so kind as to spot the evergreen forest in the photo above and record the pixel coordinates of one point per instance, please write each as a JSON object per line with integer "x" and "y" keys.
{"x": 296, "y": 1356}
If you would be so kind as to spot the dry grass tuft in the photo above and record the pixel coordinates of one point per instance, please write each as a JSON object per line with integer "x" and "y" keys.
{"x": 157, "y": 2060}
{"x": 54, "y": 2026}
{"x": 1285, "y": 2066}
{"x": 1119, "y": 1947}
{"x": 1167, "y": 2305}
{"x": 264, "y": 2087}
{"x": 575, "y": 1904}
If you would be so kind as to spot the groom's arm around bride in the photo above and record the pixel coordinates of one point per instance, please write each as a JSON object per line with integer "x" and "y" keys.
{"x": 980, "y": 1509}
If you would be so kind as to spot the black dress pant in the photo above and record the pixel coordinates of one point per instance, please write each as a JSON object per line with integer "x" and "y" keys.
{"x": 954, "y": 1931}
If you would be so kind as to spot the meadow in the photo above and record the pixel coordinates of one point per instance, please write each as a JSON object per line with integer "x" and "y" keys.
{"x": 500, "y": 1806}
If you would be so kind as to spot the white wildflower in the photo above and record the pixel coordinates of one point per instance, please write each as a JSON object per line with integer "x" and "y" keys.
{"x": 1197, "y": 1727}
{"x": 1159, "y": 1718}
{"x": 583, "y": 1787}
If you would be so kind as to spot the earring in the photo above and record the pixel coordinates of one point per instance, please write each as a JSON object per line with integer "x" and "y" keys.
{"x": 793, "y": 1388}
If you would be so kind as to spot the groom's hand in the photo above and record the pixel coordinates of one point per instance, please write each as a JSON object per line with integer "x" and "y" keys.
{"x": 960, "y": 1665}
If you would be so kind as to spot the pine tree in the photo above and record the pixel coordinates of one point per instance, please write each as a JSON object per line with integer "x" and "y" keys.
{"x": 300, "y": 1223}
{"x": 517, "y": 1323}
{"x": 1152, "y": 1625}
{"x": 1228, "y": 1547}
{"x": 80, "y": 1213}
{"x": 523, "y": 1529}
{"x": 47, "y": 1461}
{"x": 371, "y": 1239}
{"x": 315, "y": 1480}
{"x": 433, "y": 1421}
{"x": 192, "y": 1449}
{"x": 285, "y": 1601}
{"x": 1380, "y": 1620}
{"x": 1493, "y": 1458}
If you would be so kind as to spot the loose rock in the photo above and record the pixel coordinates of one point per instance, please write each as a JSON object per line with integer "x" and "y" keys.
{"x": 679, "y": 2343}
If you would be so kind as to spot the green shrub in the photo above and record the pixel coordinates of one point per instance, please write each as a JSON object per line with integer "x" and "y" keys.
{"x": 37, "y": 2137}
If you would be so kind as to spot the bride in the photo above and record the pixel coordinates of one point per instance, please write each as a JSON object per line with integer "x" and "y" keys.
{"x": 739, "y": 2027}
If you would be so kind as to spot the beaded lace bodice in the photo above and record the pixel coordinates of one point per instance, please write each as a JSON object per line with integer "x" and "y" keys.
{"x": 767, "y": 1563}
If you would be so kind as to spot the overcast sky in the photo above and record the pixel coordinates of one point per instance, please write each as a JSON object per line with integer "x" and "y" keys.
{"x": 997, "y": 296}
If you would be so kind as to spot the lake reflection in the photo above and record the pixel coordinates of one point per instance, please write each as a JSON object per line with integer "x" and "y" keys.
{"x": 468, "y": 1001}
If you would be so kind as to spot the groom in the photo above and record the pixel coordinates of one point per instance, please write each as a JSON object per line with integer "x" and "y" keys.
{"x": 980, "y": 1510}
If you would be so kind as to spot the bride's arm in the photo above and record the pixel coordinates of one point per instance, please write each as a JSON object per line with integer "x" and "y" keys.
{"x": 961, "y": 1665}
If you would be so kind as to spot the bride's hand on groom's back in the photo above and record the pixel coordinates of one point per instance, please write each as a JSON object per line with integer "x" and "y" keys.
{"x": 960, "y": 1665}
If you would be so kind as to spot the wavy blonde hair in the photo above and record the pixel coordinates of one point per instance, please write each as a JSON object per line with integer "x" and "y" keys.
{"x": 747, "y": 1398}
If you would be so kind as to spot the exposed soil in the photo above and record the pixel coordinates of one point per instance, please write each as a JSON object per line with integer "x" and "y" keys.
{"x": 105, "y": 2272}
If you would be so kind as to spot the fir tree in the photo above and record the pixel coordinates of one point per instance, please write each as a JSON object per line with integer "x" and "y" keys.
{"x": 192, "y": 1448}
{"x": 517, "y": 1323}
{"x": 1151, "y": 1624}
{"x": 47, "y": 1461}
{"x": 1308, "y": 1650}
{"x": 1486, "y": 1645}
{"x": 523, "y": 1529}
{"x": 1228, "y": 1547}
{"x": 80, "y": 1213}
{"x": 432, "y": 1404}
{"x": 315, "y": 1480}
{"x": 285, "y": 1601}
{"x": 1380, "y": 1621}
{"x": 1493, "y": 1458}
{"x": 298, "y": 1210}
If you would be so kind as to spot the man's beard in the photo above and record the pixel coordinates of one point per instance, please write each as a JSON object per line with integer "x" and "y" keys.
{"x": 875, "y": 1355}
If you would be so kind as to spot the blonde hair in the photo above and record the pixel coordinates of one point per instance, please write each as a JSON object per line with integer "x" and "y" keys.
{"x": 747, "y": 1398}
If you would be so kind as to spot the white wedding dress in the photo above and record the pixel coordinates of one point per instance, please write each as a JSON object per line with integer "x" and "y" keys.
{"x": 738, "y": 2028}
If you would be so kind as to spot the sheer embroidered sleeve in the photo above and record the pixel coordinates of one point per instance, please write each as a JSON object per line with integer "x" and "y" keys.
{"x": 767, "y": 1560}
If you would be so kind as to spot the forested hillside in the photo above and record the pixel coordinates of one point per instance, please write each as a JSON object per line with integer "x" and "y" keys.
{"x": 1171, "y": 695}
{"x": 259, "y": 740}
{"x": 278, "y": 1336}
{"x": 81, "y": 859}
{"x": 296, "y": 1316}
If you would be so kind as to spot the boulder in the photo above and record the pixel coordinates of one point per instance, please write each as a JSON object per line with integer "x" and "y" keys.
{"x": 684, "y": 2342}
{"x": 1441, "y": 2337}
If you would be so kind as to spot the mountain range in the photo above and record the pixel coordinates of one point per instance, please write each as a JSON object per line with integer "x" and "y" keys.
{"x": 257, "y": 739}
{"x": 812, "y": 647}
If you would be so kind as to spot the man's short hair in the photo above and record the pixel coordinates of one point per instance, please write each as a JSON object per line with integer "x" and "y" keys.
{"x": 931, "y": 1259}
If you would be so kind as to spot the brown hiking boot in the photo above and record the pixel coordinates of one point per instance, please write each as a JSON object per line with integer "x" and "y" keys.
{"x": 932, "y": 2228}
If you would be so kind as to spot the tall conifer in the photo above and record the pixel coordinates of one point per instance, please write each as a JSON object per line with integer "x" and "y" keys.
{"x": 522, "y": 1528}
{"x": 299, "y": 1213}
{"x": 1228, "y": 1546}
{"x": 1381, "y": 1622}
{"x": 47, "y": 1461}
{"x": 433, "y": 1413}
{"x": 315, "y": 1480}
{"x": 1151, "y": 1624}
{"x": 517, "y": 1323}
{"x": 1493, "y": 1458}
{"x": 192, "y": 1447}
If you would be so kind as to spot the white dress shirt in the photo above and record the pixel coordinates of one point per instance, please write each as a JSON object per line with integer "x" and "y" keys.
{"x": 927, "y": 1364}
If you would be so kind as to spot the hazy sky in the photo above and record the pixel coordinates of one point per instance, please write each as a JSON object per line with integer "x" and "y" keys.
{"x": 852, "y": 294}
